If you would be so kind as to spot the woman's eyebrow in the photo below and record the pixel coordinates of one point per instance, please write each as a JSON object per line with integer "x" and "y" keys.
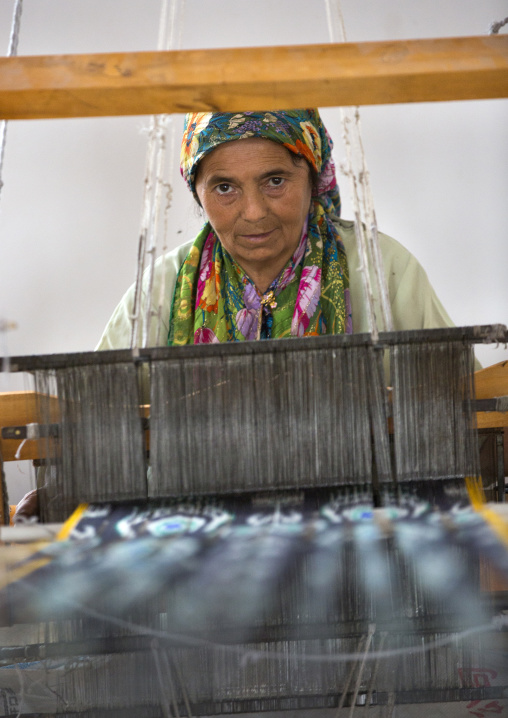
{"x": 276, "y": 172}
{"x": 217, "y": 178}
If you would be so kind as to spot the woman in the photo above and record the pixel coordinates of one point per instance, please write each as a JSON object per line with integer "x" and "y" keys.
{"x": 274, "y": 259}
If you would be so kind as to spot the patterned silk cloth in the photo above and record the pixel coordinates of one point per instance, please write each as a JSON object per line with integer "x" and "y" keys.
{"x": 215, "y": 300}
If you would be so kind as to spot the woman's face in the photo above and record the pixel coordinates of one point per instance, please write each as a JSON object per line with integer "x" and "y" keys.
{"x": 257, "y": 199}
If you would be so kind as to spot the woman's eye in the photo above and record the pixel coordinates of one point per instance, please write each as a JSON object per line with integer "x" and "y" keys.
{"x": 223, "y": 188}
{"x": 276, "y": 181}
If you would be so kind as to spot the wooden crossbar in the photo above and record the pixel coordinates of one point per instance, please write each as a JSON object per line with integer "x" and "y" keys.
{"x": 19, "y": 408}
{"x": 265, "y": 78}
{"x": 490, "y": 382}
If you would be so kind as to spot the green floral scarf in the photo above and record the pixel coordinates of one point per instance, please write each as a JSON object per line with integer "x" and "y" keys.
{"x": 214, "y": 300}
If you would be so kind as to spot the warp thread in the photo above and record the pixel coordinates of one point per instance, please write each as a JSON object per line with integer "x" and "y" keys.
{"x": 248, "y": 654}
{"x": 356, "y": 170}
{"x": 155, "y": 188}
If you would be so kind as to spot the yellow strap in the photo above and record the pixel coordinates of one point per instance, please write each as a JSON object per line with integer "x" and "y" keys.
{"x": 71, "y": 522}
{"x": 477, "y": 495}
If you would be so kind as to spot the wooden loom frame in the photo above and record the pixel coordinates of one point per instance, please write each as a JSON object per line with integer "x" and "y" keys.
{"x": 369, "y": 73}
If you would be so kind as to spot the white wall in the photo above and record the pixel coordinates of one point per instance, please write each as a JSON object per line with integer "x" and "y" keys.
{"x": 70, "y": 207}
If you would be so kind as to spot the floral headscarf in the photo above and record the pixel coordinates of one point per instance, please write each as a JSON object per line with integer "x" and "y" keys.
{"x": 215, "y": 301}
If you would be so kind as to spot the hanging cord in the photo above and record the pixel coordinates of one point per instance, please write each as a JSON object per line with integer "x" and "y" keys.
{"x": 373, "y": 677}
{"x": 161, "y": 678}
{"x": 154, "y": 158}
{"x": 360, "y": 651}
{"x": 176, "y": 22}
{"x": 155, "y": 188}
{"x": 183, "y": 688}
{"x": 361, "y": 668}
{"x": 159, "y": 129}
{"x": 359, "y": 663}
{"x": 171, "y": 19}
{"x": 356, "y": 170}
{"x": 495, "y": 27}
{"x": 145, "y": 220}
{"x": 167, "y": 206}
{"x": 11, "y": 52}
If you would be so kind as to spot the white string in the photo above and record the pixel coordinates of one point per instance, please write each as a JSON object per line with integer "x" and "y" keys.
{"x": 145, "y": 220}
{"x": 253, "y": 655}
{"x": 334, "y": 20}
{"x": 167, "y": 206}
{"x": 346, "y": 120}
{"x": 176, "y": 22}
{"x": 372, "y": 231}
{"x": 375, "y": 670}
{"x": 169, "y": 676}
{"x": 11, "y": 52}
{"x": 159, "y": 134}
{"x": 22, "y": 691}
{"x": 18, "y": 452}
{"x": 147, "y": 212}
{"x": 349, "y": 677}
{"x": 245, "y": 655}
{"x": 183, "y": 688}
{"x": 155, "y": 188}
{"x": 164, "y": 703}
{"x": 495, "y": 27}
{"x": 356, "y": 170}
{"x": 370, "y": 635}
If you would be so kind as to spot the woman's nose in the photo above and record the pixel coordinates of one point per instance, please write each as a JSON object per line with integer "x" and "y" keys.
{"x": 254, "y": 206}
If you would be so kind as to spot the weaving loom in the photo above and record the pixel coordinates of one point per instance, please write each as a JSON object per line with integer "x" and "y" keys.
{"x": 329, "y": 568}
{"x": 270, "y": 561}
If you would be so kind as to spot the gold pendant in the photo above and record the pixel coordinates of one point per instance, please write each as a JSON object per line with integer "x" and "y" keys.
{"x": 269, "y": 299}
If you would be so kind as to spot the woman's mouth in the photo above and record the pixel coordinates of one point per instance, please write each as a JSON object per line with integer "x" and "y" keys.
{"x": 259, "y": 237}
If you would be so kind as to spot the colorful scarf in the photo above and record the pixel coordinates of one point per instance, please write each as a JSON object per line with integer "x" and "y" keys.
{"x": 214, "y": 300}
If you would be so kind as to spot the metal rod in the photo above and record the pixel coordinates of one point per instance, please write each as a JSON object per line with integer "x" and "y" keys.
{"x": 490, "y": 333}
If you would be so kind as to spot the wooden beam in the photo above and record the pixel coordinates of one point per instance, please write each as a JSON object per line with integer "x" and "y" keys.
{"x": 266, "y": 78}
{"x": 18, "y": 408}
{"x": 489, "y": 383}
{"x": 492, "y": 381}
